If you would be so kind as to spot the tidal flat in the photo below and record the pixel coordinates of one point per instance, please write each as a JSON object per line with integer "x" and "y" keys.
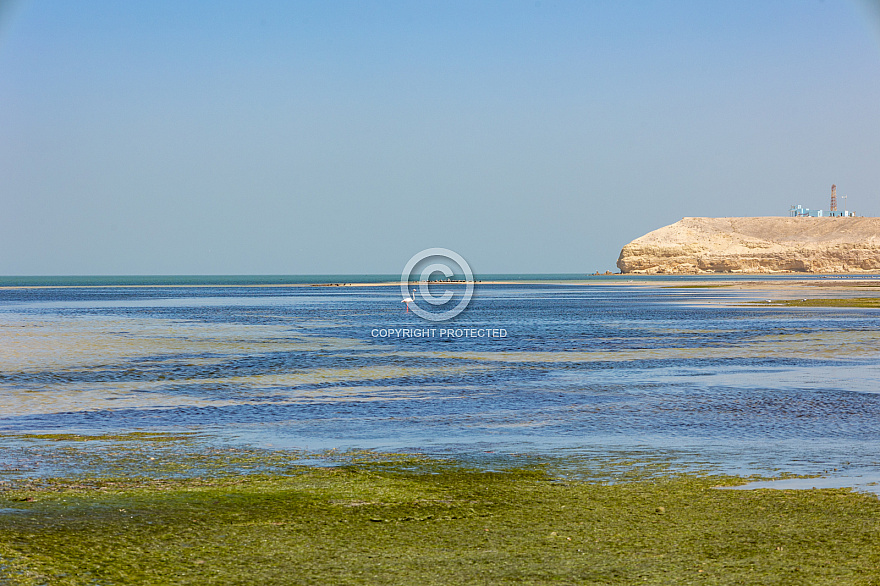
{"x": 260, "y": 435}
{"x": 404, "y": 519}
{"x": 873, "y": 302}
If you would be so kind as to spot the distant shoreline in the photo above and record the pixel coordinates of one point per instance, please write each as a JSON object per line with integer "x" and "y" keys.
{"x": 150, "y": 282}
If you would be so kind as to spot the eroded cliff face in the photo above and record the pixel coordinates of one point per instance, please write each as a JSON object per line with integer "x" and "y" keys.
{"x": 756, "y": 245}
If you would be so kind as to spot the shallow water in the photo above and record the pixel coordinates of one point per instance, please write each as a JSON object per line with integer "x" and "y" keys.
{"x": 861, "y": 483}
{"x": 607, "y": 367}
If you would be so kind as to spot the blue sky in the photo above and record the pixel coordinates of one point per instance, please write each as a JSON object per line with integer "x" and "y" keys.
{"x": 343, "y": 137}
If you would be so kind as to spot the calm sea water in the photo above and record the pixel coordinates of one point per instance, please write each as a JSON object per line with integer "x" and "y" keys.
{"x": 604, "y": 366}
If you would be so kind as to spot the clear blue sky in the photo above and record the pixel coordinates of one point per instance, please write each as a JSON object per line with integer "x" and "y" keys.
{"x": 275, "y": 137}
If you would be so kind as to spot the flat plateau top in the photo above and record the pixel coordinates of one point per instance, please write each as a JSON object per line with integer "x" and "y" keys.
{"x": 774, "y": 229}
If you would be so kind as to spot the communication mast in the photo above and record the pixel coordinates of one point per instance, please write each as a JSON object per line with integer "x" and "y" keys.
{"x": 833, "y": 198}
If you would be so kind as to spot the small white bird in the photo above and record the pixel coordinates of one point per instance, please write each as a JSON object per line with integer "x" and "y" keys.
{"x": 409, "y": 300}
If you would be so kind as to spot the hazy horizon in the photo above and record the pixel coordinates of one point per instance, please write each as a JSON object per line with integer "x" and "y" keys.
{"x": 308, "y": 138}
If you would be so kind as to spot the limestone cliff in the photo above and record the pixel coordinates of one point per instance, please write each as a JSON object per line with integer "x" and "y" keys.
{"x": 756, "y": 245}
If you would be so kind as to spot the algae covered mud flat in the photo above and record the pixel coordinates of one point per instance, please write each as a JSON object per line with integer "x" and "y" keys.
{"x": 247, "y": 433}
{"x": 411, "y": 521}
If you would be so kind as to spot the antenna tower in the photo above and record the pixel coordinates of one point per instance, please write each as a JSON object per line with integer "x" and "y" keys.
{"x": 833, "y": 198}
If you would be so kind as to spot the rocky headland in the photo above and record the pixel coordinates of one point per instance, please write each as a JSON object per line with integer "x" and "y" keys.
{"x": 756, "y": 245}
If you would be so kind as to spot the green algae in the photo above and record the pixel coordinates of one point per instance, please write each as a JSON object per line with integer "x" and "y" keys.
{"x": 837, "y": 302}
{"x": 407, "y": 520}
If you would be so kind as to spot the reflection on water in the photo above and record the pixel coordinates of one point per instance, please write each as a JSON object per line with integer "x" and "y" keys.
{"x": 862, "y": 483}
{"x": 584, "y": 368}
